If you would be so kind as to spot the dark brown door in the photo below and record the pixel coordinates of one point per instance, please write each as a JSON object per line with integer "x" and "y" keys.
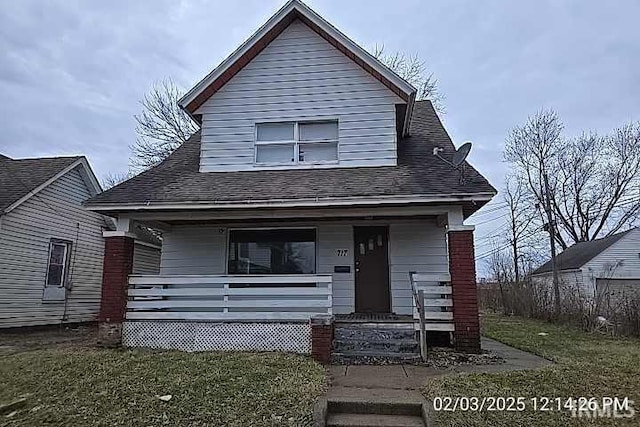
{"x": 372, "y": 270}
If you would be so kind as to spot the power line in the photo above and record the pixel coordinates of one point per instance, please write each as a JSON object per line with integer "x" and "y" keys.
{"x": 531, "y": 234}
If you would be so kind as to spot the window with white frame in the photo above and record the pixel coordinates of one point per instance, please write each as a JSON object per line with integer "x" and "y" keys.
{"x": 59, "y": 251}
{"x": 272, "y": 251}
{"x": 301, "y": 142}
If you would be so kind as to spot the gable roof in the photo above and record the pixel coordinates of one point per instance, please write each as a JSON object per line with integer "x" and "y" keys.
{"x": 295, "y": 9}
{"x": 574, "y": 257}
{"x": 176, "y": 183}
{"x": 22, "y": 178}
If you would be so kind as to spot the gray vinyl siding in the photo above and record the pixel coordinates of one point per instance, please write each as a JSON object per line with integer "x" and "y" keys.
{"x": 570, "y": 280}
{"x": 55, "y": 212}
{"x": 619, "y": 261}
{"x": 413, "y": 246}
{"x": 618, "y": 291}
{"x": 194, "y": 250}
{"x": 332, "y": 237}
{"x": 417, "y": 246}
{"x": 299, "y": 76}
{"x": 146, "y": 259}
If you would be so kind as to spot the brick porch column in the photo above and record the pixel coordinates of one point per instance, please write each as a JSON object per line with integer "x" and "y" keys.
{"x": 118, "y": 264}
{"x": 462, "y": 268}
{"x": 321, "y": 337}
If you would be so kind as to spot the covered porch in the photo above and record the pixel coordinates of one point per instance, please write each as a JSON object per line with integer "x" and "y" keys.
{"x": 256, "y": 282}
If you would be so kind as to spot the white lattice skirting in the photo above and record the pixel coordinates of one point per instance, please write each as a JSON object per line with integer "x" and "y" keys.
{"x": 201, "y": 336}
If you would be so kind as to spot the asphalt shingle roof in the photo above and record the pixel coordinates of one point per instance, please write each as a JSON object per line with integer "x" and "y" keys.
{"x": 20, "y": 176}
{"x": 574, "y": 257}
{"x": 177, "y": 179}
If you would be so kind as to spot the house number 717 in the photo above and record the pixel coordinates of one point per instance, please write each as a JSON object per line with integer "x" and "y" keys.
{"x": 342, "y": 252}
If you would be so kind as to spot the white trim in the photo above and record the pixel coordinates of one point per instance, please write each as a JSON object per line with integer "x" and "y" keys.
{"x": 92, "y": 177}
{"x": 229, "y": 278}
{"x": 461, "y": 227}
{"x": 430, "y": 277}
{"x": 318, "y": 202}
{"x": 408, "y": 114}
{"x": 118, "y": 234}
{"x": 81, "y": 161}
{"x": 150, "y": 245}
{"x": 180, "y": 291}
{"x": 296, "y": 142}
{"x": 308, "y": 227}
{"x": 223, "y": 317}
{"x": 65, "y": 259}
{"x": 304, "y": 10}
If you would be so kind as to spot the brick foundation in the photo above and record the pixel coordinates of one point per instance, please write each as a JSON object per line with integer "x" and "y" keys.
{"x": 118, "y": 264}
{"x": 465, "y": 295}
{"x": 321, "y": 338}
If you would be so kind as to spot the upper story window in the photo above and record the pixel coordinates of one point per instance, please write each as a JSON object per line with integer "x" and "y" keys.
{"x": 303, "y": 142}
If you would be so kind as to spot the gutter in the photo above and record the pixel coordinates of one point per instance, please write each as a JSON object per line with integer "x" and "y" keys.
{"x": 285, "y": 203}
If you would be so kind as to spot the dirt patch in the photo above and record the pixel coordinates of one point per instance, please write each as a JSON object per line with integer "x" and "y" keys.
{"x": 18, "y": 340}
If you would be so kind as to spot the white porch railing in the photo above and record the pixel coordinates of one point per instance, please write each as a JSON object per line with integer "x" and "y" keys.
{"x": 435, "y": 290}
{"x": 229, "y": 298}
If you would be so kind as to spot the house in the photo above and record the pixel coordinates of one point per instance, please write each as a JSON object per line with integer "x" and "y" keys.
{"x": 51, "y": 248}
{"x": 608, "y": 265}
{"x": 311, "y": 192}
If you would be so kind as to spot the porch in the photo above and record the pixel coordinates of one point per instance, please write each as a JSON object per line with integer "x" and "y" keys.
{"x": 256, "y": 284}
{"x": 171, "y": 311}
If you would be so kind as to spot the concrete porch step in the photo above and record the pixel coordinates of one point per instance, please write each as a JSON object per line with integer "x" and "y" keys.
{"x": 408, "y": 356}
{"x": 400, "y": 341}
{"x": 374, "y": 406}
{"x": 369, "y": 420}
{"x": 364, "y": 343}
{"x": 373, "y": 333}
{"x": 376, "y": 345}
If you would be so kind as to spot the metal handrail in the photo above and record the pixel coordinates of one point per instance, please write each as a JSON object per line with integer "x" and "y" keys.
{"x": 418, "y": 297}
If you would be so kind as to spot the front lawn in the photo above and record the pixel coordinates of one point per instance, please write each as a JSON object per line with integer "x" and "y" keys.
{"x": 589, "y": 365}
{"x": 75, "y": 386}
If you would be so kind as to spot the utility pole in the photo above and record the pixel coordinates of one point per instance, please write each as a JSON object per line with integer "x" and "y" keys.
{"x": 552, "y": 239}
{"x": 514, "y": 247}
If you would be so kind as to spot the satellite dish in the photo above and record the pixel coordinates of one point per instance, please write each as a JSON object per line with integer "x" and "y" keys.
{"x": 461, "y": 154}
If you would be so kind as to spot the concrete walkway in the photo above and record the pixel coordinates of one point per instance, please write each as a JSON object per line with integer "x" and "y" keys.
{"x": 402, "y": 382}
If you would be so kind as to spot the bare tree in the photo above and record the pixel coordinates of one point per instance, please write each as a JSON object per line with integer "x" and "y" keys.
{"x": 112, "y": 179}
{"x": 499, "y": 266}
{"x": 162, "y": 126}
{"x": 521, "y": 220}
{"x": 597, "y": 189}
{"x": 414, "y": 71}
{"x": 594, "y": 181}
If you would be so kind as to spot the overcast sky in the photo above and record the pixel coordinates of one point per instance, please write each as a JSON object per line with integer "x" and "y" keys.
{"x": 72, "y": 72}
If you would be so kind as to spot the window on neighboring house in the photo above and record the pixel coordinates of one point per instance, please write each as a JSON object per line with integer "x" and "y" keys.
{"x": 59, "y": 251}
{"x": 303, "y": 142}
{"x": 273, "y": 251}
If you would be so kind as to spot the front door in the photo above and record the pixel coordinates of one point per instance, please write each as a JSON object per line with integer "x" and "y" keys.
{"x": 372, "y": 270}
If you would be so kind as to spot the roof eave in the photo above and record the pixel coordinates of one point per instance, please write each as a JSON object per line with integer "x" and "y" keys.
{"x": 288, "y": 203}
{"x": 408, "y": 114}
{"x": 81, "y": 161}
